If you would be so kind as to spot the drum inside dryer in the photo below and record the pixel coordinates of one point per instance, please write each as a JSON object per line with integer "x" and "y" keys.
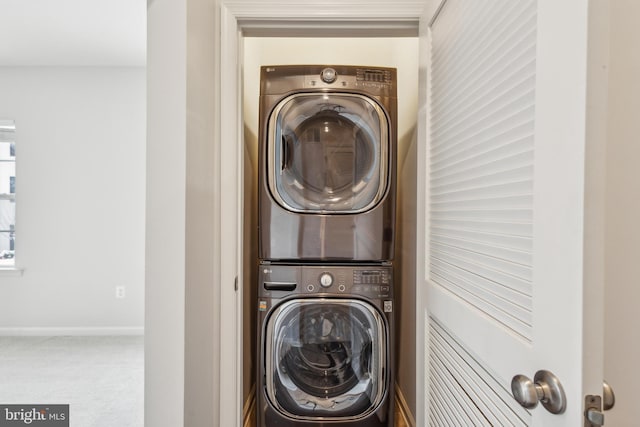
{"x": 328, "y": 153}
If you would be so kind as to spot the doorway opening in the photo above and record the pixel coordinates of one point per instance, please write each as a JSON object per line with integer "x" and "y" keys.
{"x": 395, "y": 51}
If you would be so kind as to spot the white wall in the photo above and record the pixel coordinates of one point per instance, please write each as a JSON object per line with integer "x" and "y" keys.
{"x": 202, "y": 230}
{"x": 165, "y": 247}
{"x": 80, "y": 183}
{"x": 182, "y": 354}
{"x": 622, "y": 293}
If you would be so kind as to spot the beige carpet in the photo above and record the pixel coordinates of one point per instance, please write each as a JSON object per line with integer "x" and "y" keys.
{"x": 101, "y": 378}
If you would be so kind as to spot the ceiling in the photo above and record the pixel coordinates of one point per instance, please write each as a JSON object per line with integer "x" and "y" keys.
{"x": 109, "y": 33}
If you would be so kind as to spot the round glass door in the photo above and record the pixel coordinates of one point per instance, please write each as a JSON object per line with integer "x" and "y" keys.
{"x": 328, "y": 153}
{"x": 325, "y": 358}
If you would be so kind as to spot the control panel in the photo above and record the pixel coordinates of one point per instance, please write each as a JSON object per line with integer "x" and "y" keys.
{"x": 371, "y": 280}
{"x": 374, "y": 281}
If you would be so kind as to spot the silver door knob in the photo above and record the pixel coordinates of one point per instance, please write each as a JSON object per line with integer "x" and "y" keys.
{"x": 545, "y": 388}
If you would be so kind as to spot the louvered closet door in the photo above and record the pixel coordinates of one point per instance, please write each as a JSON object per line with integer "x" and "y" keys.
{"x": 509, "y": 279}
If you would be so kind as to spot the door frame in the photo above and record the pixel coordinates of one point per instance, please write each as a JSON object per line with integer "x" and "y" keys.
{"x": 238, "y": 18}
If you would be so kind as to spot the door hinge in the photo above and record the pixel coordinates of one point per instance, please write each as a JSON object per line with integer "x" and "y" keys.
{"x": 235, "y": 284}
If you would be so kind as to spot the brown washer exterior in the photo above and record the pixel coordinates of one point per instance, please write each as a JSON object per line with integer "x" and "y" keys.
{"x": 369, "y": 286}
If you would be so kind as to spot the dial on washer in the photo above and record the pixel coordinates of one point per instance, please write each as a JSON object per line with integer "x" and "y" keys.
{"x": 326, "y": 280}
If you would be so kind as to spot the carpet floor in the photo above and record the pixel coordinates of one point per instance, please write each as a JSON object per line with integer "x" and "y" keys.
{"x": 101, "y": 378}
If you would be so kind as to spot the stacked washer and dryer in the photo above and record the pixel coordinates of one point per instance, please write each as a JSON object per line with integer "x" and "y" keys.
{"x": 327, "y": 167}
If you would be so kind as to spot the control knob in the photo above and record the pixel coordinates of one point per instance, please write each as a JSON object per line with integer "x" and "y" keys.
{"x": 326, "y": 280}
{"x": 328, "y": 75}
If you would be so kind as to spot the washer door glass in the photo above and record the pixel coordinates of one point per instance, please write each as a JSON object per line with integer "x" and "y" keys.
{"x": 328, "y": 153}
{"x": 325, "y": 358}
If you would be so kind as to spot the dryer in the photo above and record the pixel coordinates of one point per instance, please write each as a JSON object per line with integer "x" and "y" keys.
{"x": 325, "y": 346}
{"x": 327, "y": 163}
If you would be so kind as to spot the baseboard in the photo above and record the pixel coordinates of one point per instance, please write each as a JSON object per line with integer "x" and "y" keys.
{"x": 403, "y": 408}
{"x": 71, "y": 331}
{"x": 248, "y": 410}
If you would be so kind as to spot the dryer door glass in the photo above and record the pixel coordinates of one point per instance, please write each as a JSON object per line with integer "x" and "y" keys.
{"x": 328, "y": 153}
{"x": 325, "y": 358}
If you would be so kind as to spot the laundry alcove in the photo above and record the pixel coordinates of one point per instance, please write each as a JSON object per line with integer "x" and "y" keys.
{"x": 397, "y": 52}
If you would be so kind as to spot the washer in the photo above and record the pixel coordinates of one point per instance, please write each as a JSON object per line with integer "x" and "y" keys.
{"x": 327, "y": 155}
{"x": 325, "y": 346}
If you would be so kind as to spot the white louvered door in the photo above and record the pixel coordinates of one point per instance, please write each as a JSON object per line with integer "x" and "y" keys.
{"x": 512, "y": 268}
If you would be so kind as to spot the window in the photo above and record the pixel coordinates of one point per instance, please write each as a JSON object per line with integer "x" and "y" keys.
{"x": 7, "y": 193}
